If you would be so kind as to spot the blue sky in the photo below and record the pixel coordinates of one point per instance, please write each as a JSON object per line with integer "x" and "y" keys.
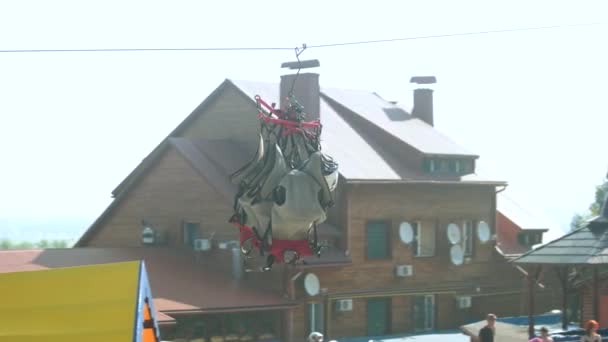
{"x": 532, "y": 104}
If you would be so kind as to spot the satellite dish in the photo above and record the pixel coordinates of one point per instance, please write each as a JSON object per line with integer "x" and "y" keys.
{"x": 406, "y": 232}
{"x": 457, "y": 255}
{"x": 483, "y": 231}
{"x": 453, "y": 233}
{"x": 311, "y": 284}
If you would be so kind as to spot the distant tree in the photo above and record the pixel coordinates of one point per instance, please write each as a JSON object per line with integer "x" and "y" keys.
{"x": 5, "y": 244}
{"x": 24, "y": 245}
{"x": 8, "y": 244}
{"x": 59, "y": 244}
{"x": 578, "y": 220}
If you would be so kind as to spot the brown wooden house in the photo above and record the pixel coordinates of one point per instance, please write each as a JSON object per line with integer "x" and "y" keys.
{"x": 396, "y": 170}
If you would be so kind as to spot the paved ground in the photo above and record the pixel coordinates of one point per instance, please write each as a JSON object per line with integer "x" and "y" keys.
{"x": 431, "y": 337}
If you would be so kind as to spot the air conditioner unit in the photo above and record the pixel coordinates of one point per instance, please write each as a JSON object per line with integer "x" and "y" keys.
{"x": 202, "y": 245}
{"x": 463, "y": 302}
{"x": 148, "y": 236}
{"x": 404, "y": 270}
{"x": 344, "y": 305}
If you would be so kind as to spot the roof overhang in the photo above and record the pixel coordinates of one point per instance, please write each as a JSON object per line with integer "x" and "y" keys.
{"x": 231, "y": 309}
{"x": 440, "y": 155}
{"x": 535, "y": 230}
{"x": 429, "y": 182}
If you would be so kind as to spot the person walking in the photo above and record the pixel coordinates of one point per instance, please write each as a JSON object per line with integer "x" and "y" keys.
{"x": 544, "y": 336}
{"x": 486, "y": 334}
{"x": 591, "y": 334}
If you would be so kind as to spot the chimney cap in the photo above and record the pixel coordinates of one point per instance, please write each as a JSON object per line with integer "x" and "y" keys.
{"x": 423, "y": 80}
{"x": 312, "y": 63}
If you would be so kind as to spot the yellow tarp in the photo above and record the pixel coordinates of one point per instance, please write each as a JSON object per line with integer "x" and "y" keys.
{"x": 88, "y": 303}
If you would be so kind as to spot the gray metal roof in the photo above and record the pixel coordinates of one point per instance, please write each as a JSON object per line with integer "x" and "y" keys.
{"x": 582, "y": 246}
{"x": 360, "y": 158}
{"x": 519, "y": 215}
{"x": 587, "y": 245}
{"x": 396, "y": 121}
{"x": 357, "y": 158}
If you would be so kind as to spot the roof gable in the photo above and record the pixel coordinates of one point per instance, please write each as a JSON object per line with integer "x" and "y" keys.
{"x": 183, "y": 128}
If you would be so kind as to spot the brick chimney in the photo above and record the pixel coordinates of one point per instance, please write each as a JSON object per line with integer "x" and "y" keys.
{"x": 306, "y": 89}
{"x": 423, "y": 99}
{"x": 306, "y": 92}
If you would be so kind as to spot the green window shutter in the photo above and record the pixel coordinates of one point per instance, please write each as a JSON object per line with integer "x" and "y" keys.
{"x": 191, "y": 232}
{"x": 377, "y": 240}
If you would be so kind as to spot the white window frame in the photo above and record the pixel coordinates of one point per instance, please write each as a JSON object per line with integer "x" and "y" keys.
{"x": 418, "y": 231}
{"x": 314, "y": 310}
{"x": 429, "y": 317}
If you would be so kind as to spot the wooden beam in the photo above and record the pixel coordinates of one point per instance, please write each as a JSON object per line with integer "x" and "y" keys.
{"x": 562, "y": 274}
{"x": 532, "y": 280}
{"x": 596, "y": 295}
{"x": 327, "y": 317}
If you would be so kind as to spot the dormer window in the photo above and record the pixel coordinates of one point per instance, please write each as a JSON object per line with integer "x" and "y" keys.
{"x": 448, "y": 166}
{"x": 530, "y": 237}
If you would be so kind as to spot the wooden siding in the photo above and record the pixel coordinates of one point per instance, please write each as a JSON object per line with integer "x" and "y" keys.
{"x": 433, "y": 205}
{"x": 230, "y": 116}
{"x": 500, "y": 283}
{"x": 170, "y": 192}
{"x": 587, "y": 303}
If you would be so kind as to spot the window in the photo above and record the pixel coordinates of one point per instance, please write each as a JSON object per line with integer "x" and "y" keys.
{"x": 377, "y": 240}
{"x": 455, "y": 166}
{"x": 529, "y": 238}
{"x": 468, "y": 166}
{"x": 429, "y": 165}
{"x": 190, "y": 232}
{"x": 444, "y": 166}
{"x": 448, "y": 166}
{"x": 467, "y": 238}
{"x": 315, "y": 317}
{"x": 424, "y": 313}
{"x": 424, "y": 240}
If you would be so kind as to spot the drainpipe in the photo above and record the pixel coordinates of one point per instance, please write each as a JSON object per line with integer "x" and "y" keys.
{"x": 495, "y": 210}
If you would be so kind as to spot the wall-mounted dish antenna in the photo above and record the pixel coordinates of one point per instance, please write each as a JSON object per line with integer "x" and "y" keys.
{"x": 406, "y": 232}
{"x": 457, "y": 255}
{"x": 483, "y": 231}
{"x": 453, "y": 232}
{"x": 311, "y": 284}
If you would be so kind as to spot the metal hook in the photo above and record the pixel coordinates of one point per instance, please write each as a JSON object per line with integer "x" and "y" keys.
{"x": 298, "y": 53}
